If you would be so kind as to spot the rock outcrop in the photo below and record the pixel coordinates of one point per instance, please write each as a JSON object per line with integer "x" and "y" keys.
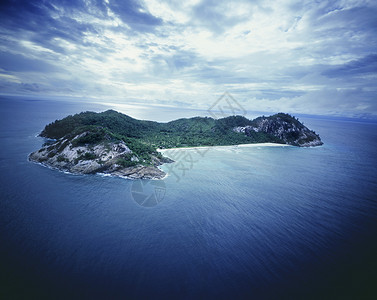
{"x": 285, "y": 127}
{"x": 108, "y": 157}
{"x": 117, "y": 144}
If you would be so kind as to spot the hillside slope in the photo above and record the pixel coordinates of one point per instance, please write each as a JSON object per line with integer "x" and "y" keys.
{"x": 114, "y": 143}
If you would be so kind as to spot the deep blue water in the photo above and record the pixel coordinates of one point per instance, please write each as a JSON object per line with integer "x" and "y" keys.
{"x": 238, "y": 223}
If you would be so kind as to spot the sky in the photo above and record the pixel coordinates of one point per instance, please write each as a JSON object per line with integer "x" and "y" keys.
{"x": 309, "y": 57}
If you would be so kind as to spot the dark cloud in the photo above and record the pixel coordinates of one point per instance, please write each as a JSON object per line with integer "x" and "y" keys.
{"x": 133, "y": 13}
{"x": 31, "y": 87}
{"x": 345, "y": 25}
{"x": 363, "y": 66}
{"x": 181, "y": 60}
{"x": 46, "y": 20}
{"x": 34, "y": 21}
{"x": 276, "y": 94}
{"x": 19, "y": 63}
{"x": 283, "y": 51}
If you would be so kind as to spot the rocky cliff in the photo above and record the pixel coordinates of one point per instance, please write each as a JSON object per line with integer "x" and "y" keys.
{"x": 116, "y": 144}
{"x": 285, "y": 127}
{"x": 108, "y": 157}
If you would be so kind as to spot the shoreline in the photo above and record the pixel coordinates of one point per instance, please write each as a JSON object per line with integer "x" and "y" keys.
{"x": 166, "y": 174}
{"x": 229, "y": 146}
{"x": 62, "y": 170}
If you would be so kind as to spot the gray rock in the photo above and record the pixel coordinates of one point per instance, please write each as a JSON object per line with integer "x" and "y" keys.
{"x": 285, "y": 128}
{"x": 90, "y": 159}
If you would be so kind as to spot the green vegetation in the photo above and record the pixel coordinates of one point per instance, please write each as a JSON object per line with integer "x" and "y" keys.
{"x": 126, "y": 160}
{"x": 94, "y": 136}
{"x": 51, "y": 154}
{"x": 144, "y": 137}
{"x": 86, "y": 156}
{"x": 61, "y": 158}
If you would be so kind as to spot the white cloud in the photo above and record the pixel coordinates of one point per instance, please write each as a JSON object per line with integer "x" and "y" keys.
{"x": 272, "y": 55}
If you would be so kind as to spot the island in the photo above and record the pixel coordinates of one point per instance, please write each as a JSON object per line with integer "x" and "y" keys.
{"x": 116, "y": 144}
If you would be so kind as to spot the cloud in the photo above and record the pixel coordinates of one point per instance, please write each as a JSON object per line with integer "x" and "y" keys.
{"x": 364, "y": 66}
{"x": 219, "y": 16}
{"x": 134, "y": 14}
{"x": 19, "y": 63}
{"x": 299, "y": 56}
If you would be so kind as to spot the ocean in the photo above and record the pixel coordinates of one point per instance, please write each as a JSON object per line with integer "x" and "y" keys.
{"x": 261, "y": 222}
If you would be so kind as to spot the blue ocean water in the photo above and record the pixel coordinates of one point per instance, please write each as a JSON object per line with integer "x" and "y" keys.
{"x": 229, "y": 223}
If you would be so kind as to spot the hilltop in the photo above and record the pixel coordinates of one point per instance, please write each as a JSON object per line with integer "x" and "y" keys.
{"x": 114, "y": 143}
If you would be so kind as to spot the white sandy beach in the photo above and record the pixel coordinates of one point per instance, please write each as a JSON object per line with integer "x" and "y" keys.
{"x": 229, "y": 146}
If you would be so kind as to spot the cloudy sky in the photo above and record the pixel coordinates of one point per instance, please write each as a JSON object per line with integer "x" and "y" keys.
{"x": 316, "y": 57}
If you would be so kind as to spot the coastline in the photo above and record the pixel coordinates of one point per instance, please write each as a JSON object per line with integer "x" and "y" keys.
{"x": 139, "y": 172}
{"x": 114, "y": 175}
{"x": 227, "y": 146}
